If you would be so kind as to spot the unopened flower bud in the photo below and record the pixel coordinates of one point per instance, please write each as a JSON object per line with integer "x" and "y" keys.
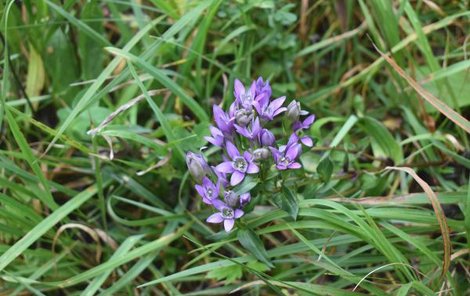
{"x": 243, "y": 117}
{"x": 293, "y": 111}
{"x": 266, "y": 138}
{"x": 261, "y": 153}
{"x": 231, "y": 198}
{"x": 197, "y": 165}
{"x": 245, "y": 198}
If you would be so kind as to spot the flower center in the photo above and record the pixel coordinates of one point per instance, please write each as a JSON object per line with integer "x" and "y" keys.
{"x": 247, "y": 98}
{"x": 227, "y": 213}
{"x": 240, "y": 164}
{"x": 284, "y": 160}
{"x": 210, "y": 192}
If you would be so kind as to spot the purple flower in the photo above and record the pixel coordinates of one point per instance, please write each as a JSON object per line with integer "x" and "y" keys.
{"x": 293, "y": 139}
{"x": 306, "y": 124}
{"x": 243, "y": 97}
{"x": 217, "y": 138}
{"x": 307, "y": 141}
{"x": 250, "y": 132}
{"x": 262, "y": 88}
{"x": 223, "y": 120}
{"x": 221, "y": 177}
{"x": 208, "y": 190}
{"x": 266, "y": 138}
{"x": 245, "y": 198}
{"x": 285, "y": 157}
{"x": 268, "y": 111}
{"x": 197, "y": 165}
{"x": 226, "y": 214}
{"x": 238, "y": 166}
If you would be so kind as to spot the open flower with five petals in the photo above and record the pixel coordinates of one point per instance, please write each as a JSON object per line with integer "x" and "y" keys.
{"x": 225, "y": 214}
{"x": 285, "y": 157}
{"x": 268, "y": 110}
{"x": 208, "y": 190}
{"x": 239, "y": 165}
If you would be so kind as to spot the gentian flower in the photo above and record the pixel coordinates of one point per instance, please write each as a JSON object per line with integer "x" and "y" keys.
{"x": 305, "y": 124}
{"x": 197, "y": 165}
{"x": 250, "y": 132}
{"x": 266, "y": 137}
{"x": 243, "y": 97}
{"x": 245, "y": 198}
{"x": 262, "y": 88}
{"x": 293, "y": 139}
{"x": 248, "y": 118}
{"x": 217, "y": 138}
{"x": 238, "y": 166}
{"x": 221, "y": 177}
{"x": 226, "y": 214}
{"x": 285, "y": 157}
{"x": 223, "y": 120}
{"x": 268, "y": 111}
{"x": 208, "y": 190}
{"x": 299, "y": 126}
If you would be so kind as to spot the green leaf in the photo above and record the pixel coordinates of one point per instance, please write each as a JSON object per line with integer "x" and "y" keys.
{"x": 251, "y": 242}
{"x": 229, "y": 274}
{"x": 87, "y": 46}
{"x": 40, "y": 229}
{"x": 36, "y": 75}
{"x": 162, "y": 77}
{"x": 248, "y": 183}
{"x": 168, "y": 130}
{"x": 258, "y": 266}
{"x": 289, "y": 202}
{"x": 325, "y": 169}
{"x": 44, "y": 195}
{"x": 59, "y": 49}
{"x": 383, "y": 143}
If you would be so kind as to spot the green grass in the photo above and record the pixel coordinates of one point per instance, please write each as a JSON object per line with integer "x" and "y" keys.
{"x": 74, "y": 221}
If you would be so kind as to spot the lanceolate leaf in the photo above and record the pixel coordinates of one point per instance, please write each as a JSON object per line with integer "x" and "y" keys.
{"x": 289, "y": 202}
{"x": 250, "y": 241}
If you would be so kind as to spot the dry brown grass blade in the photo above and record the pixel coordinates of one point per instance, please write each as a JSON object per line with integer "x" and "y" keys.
{"x": 123, "y": 108}
{"x": 95, "y": 233}
{"x": 430, "y": 98}
{"x": 379, "y": 200}
{"x": 84, "y": 228}
{"x": 441, "y": 218}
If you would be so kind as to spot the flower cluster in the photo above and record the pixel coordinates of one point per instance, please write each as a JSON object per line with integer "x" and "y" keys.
{"x": 245, "y": 134}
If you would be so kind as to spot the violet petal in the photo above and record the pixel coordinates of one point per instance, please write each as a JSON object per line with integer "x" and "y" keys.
{"x": 236, "y": 178}
{"x": 228, "y": 224}
{"x": 215, "y": 218}
{"x": 225, "y": 167}
{"x": 252, "y": 169}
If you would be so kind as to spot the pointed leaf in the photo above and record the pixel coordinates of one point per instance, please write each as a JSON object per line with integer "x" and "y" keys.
{"x": 251, "y": 242}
